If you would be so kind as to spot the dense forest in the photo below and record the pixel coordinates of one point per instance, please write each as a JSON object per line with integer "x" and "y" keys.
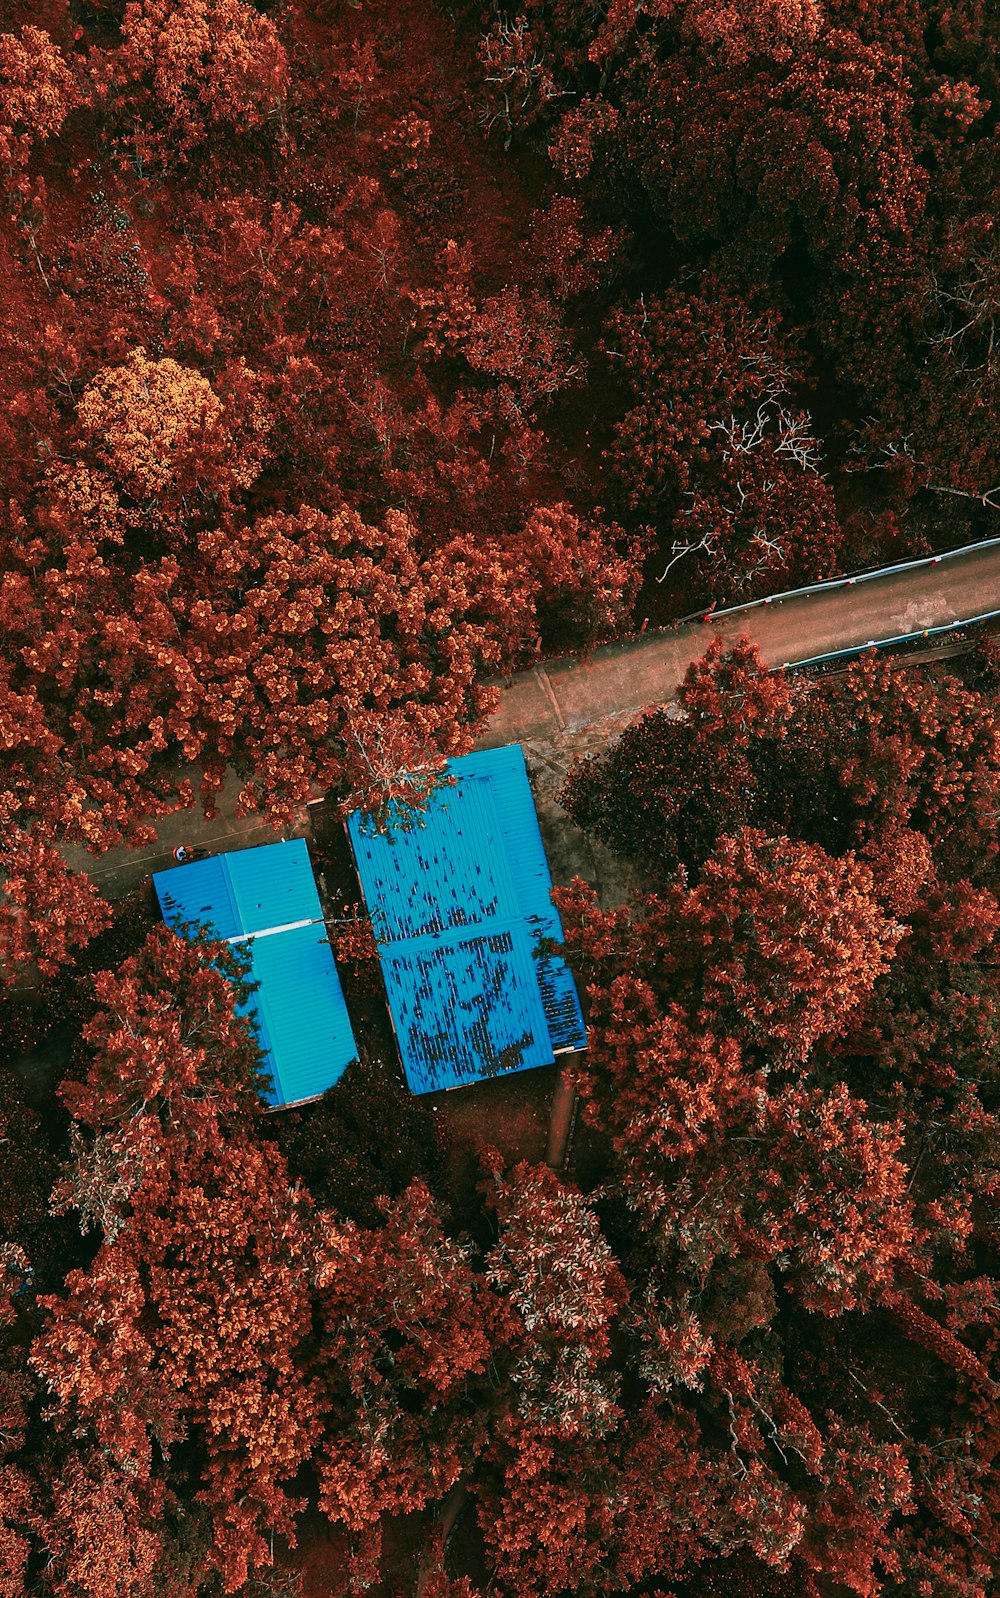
{"x": 353, "y": 357}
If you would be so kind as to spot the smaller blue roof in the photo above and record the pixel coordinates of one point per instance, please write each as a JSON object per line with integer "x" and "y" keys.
{"x": 244, "y": 892}
{"x": 302, "y": 1021}
{"x": 267, "y": 896}
{"x": 459, "y": 896}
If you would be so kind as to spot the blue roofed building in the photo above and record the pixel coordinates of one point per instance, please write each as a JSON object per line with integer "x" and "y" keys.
{"x": 459, "y": 897}
{"x": 265, "y": 901}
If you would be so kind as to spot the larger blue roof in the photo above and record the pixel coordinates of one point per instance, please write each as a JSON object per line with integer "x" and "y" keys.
{"x": 268, "y": 896}
{"x": 459, "y": 896}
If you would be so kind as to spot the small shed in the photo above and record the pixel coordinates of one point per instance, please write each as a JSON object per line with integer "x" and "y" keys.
{"x": 266, "y": 900}
{"x": 459, "y": 896}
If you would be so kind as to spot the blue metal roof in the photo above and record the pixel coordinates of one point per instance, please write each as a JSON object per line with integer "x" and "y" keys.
{"x": 299, "y": 1011}
{"x": 459, "y": 896}
{"x": 302, "y": 1021}
{"x": 200, "y": 893}
{"x": 243, "y": 892}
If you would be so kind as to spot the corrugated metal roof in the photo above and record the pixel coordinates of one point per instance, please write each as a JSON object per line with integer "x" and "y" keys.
{"x": 199, "y": 893}
{"x": 429, "y": 877}
{"x": 301, "y": 1018}
{"x": 274, "y": 885}
{"x": 246, "y": 891}
{"x": 459, "y": 897}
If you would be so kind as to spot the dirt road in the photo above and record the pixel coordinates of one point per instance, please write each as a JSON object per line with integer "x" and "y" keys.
{"x": 619, "y": 680}
{"x": 570, "y": 707}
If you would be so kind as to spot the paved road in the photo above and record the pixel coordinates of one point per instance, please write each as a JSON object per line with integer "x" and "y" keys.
{"x": 567, "y": 707}
{"x": 566, "y": 697}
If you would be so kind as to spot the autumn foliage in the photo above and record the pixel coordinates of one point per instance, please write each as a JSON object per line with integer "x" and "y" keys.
{"x": 749, "y": 1348}
{"x": 770, "y": 1125}
{"x": 37, "y": 91}
{"x": 353, "y": 359}
{"x": 203, "y": 64}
